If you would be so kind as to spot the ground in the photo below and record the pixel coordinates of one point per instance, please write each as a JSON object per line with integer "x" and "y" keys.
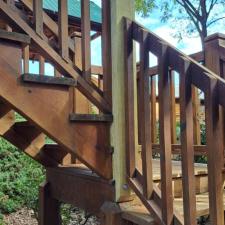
{"x": 27, "y": 217}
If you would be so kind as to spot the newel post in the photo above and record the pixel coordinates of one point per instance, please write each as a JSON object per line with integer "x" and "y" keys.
{"x": 119, "y": 10}
{"x": 215, "y": 125}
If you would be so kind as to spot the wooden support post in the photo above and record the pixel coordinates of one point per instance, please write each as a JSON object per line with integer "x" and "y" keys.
{"x": 49, "y": 208}
{"x": 214, "y": 132}
{"x": 145, "y": 126}
{"x": 26, "y": 58}
{"x": 38, "y": 16}
{"x": 41, "y": 65}
{"x": 196, "y": 111}
{"x": 187, "y": 150}
{"x": 153, "y": 106}
{"x": 165, "y": 137}
{"x": 86, "y": 39}
{"x": 119, "y": 9}
{"x": 173, "y": 108}
{"x": 111, "y": 214}
{"x": 63, "y": 29}
{"x": 106, "y": 51}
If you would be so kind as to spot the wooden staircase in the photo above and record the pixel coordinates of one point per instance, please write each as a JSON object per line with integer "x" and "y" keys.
{"x": 166, "y": 192}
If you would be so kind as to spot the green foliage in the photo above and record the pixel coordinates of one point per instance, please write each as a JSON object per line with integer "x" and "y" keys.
{"x": 20, "y": 177}
{"x": 144, "y": 7}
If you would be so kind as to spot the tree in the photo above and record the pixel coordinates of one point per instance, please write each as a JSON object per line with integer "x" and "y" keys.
{"x": 189, "y": 16}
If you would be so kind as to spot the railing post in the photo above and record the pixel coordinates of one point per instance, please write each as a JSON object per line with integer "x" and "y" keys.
{"x": 215, "y": 130}
{"x": 38, "y": 16}
{"x": 63, "y": 29}
{"x": 86, "y": 39}
{"x": 187, "y": 150}
{"x": 106, "y": 51}
{"x": 165, "y": 136}
{"x": 145, "y": 125}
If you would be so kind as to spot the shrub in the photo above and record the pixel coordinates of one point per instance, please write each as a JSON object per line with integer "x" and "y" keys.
{"x": 20, "y": 177}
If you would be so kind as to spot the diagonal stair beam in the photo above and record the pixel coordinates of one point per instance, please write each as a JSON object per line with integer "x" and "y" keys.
{"x": 47, "y": 51}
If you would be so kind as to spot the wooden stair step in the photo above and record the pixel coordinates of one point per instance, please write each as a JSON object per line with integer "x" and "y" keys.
{"x": 136, "y": 213}
{"x": 91, "y": 117}
{"x": 14, "y": 36}
{"x": 202, "y": 204}
{"x": 48, "y": 80}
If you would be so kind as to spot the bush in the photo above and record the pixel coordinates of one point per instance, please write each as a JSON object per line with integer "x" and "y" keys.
{"x": 20, "y": 178}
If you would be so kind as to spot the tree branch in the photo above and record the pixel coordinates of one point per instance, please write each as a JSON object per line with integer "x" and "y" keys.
{"x": 215, "y": 21}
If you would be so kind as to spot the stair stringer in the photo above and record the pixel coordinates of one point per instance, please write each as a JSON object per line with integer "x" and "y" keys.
{"x": 49, "y": 108}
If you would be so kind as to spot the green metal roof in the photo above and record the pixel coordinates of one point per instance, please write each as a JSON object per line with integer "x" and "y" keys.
{"x": 74, "y": 8}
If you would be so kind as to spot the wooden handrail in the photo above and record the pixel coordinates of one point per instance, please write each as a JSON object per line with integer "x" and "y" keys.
{"x": 193, "y": 76}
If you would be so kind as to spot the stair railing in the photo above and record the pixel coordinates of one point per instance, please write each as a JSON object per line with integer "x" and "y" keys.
{"x": 192, "y": 75}
{"x": 57, "y": 43}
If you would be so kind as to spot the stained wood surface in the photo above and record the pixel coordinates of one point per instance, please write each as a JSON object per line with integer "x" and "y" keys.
{"x": 14, "y": 36}
{"x": 78, "y": 138}
{"x": 48, "y": 80}
{"x": 79, "y": 186}
{"x": 91, "y": 118}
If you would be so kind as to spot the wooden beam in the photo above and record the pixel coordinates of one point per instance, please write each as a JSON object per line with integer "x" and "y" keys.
{"x": 86, "y": 39}
{"x": 91, "y": 117}
{"x": 153, "y": 110}
{"x": 49, "y": 208}
{"x": 119, "y": 9}
{"x": 129, "y": 100}
{"x": 63, "y": 29}
{"x": 106, "y": 51}
{"x": 26, "y": 58}
{"x": 38, "y": 16}
{"x": 75, "y": 185}
{"x": 48, "y": 80}
{"x": 187, "y": 150}
{"x": 145, "y": 121}
{"x": 165, "y": 137}
{"x": 41, "y": 65}
{"x": 15, "y": 37}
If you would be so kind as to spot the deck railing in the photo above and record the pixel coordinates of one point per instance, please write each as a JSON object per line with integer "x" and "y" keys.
{"x": 192, "y": 76}
{"x": 66, "y": 44}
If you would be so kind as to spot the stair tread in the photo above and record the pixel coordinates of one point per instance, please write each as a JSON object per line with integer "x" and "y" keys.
{"x": 136, "y": 212}
{"x": 48, "y": 80}
{"x": 91, "y": 117}
{"x": 200, "y": 169}
{"x": 202, "y": 204}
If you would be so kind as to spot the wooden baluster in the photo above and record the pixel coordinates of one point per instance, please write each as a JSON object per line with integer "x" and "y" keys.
{"x": 63, "y": 29}
{"x": 26, "y": 58}
{"x": 196, "y": 108}
{"x": 153, "y": 110}
{"x": 165, "y": 137}
{"x": 173, "y": 108}
{"x": 145, "y": 125}
{"x": 129, "y": 100}
{"x": 56, "y": 73}
{"x": 38, "y": 16}
{"x": 106, "y": 51}
{"x": 187, "y": 150}
{"x": 86, "y": 39}
{"x": 41, "y": 65}
{"x": 215, "y": 146}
